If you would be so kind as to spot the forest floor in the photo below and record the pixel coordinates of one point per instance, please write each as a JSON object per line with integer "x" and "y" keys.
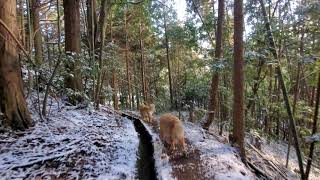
{"x": 218, "y": 160}
{"x": 77, "y": 142}
{"x": 276, "y": 152}
{"x": 73, "y": 143}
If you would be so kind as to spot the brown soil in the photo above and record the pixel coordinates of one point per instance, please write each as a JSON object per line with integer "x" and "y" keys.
{"x": 186, "y": 166}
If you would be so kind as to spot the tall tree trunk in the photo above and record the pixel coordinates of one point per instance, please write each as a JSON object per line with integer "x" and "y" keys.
{"x": 314, "y": 128}
{"x": 101, "y": 97}
{"x": 72, "y": 25}
{"x": 72, "y": 42}
{"x": 92, "y": 21}
{"x": 168, "y": 61}
{"x": 21, "y": 23}
{"x": 29, "y": 44}
{"x": 102, "y": 27}
{"x": 224, "y": 108}
{"x": 297, "y": 85}
{"x": 268, "y": 117}
{"x": 142, "y": 64}
{"x": 29, "y": 36}
{"x": 114, "y": 75}
{"x": 215, "y": 78}
{"x": 13, "y": 104}
{"x": 312, "y": 96}
{"x": 283, "y": 88}
{"x": 92, "y": 24}
{"x": 48, "y": 45}
{"x": 296, "y": 92}
{"x": 115, "y": 90}
{"x": 136, "y": 81}
{"x": 256, "y": 84}
{"x": 238, "y": 79}
{"x": 127, "y": 59}
{"x": 133, "y": 84}
{"x": 35, "y": 9}
{"x": 44, "y": 105}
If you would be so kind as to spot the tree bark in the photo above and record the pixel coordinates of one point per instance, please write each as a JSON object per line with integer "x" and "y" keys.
{"x": 13, "y": 104}
{"x": 142, "y": 64}
{"x": 238, "y": 79}
{"x": 224, "y": 108}
{"x": 48, "y": 45}
{"x": 256, "y": 84}
{"x": 35, "y": 9}
{"x": 312, "y": 96}
{"x": 168, "y": 60}
{"x": 136, "y": 81}
{"x": 127, "y": 59}
{"x": 101, "y": 97}
{"x": 268, "y": 117}
{"x": 72, "y": 25}
{"x": 215, "y": 78}
{"x": 29, "y": 45}
{"x": 29, "y": 36}
{"x": 92, "y": 24}
{"x": 21, "y": 23}
{"x": 296, "y": 91}
{"x": 115, "y": 90}
{"x": 72, "y": 42}
{"x": 92, "y": 21}
{"x": 102, "y": 27}
{"x": 44, "y": 106}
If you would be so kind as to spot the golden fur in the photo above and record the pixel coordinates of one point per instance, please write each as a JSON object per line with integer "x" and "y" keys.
{"x": 146, "y": 112}
{"x": 171, "y": 131}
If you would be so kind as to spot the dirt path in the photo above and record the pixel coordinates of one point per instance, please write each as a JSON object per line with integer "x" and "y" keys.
{"x": 186, "y": 167}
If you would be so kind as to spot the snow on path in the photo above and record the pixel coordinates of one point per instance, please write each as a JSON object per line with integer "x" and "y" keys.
{"x": 218, "y": 161}
{"x": 73, "y": 143}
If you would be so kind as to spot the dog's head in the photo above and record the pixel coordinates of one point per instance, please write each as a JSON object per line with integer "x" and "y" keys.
{"x": 142, "y": 106}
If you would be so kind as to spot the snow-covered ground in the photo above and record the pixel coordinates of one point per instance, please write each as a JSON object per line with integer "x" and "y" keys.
{"x": 81, "y": 143}
{"x": 73, "y": 144}
{"x": 217, "y": 160}
{"x": 221, "y": 161}
{"x": 277, "y": 152}
{"x": 274, "y": 151}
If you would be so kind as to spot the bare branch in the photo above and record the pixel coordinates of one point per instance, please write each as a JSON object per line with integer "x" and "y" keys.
{"x": 17, "y": 41}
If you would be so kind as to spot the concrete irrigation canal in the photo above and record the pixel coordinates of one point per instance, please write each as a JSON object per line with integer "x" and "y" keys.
{"x": 145, "y": 162}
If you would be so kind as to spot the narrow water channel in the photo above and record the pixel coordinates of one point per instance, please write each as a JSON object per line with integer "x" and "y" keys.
{"x": 145, "y": 162}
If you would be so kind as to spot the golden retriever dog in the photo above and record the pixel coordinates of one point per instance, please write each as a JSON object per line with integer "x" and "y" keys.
{"x": 171, "y": 131}
{"x": 147, "y": 111}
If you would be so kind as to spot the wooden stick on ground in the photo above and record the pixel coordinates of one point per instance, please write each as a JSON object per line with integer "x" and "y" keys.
{"x": 17, "y": 41}
{"x": 268, "y": 161}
